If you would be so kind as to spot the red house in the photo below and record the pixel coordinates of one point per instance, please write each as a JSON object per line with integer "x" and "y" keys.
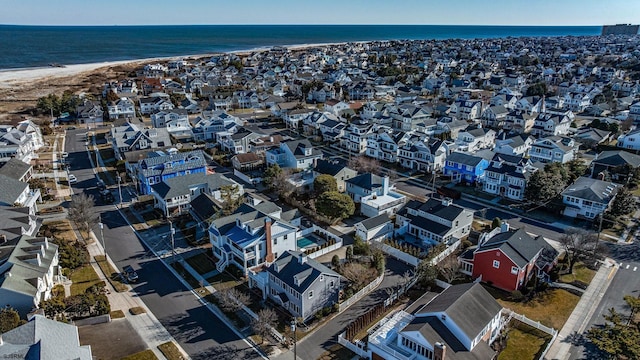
{"x": 507, "y": 259}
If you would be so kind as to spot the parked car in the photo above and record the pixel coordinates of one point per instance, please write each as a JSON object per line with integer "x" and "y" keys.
{"x": 72, "y": 179}
{"x": 130, "y": 274}
{"x": 65, "y": 155}
{"x": 100, "y": 185}
{"x": 107, "y": 196}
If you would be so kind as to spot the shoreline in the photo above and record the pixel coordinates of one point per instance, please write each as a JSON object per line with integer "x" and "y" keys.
{"x": 13, "y": 77}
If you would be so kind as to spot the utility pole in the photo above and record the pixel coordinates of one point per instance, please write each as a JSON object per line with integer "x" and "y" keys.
{"x": 173, "y": 248}
{"x": 119, "y": 189}
{"x": 295, "y": 339}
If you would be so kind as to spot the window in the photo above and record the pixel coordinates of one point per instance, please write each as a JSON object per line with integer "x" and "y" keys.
{"x": 311, "y": 294}
{"x": 514, "y": 270}
{"x": 331, "y": 284}
{"x": 496, "y": 264}
{"x": 321, "y": 277}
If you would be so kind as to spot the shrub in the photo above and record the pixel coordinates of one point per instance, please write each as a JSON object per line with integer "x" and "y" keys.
{"x": 516, "y": 295}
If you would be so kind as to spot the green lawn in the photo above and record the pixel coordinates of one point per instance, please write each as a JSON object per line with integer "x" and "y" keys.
{"x": 223, "y": 281}
{"x": 83, "y": 278}
{"x": 523, "y": 344}
{"x": 580, "y": 273}
{"x": 552, "y": 307}
{"x": 201, "y": 263}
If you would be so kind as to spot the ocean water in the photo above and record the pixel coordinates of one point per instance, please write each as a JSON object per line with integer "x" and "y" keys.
{"x": 35, "y": 46}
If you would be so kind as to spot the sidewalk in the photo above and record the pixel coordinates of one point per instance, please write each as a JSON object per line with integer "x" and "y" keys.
{"x": 577, "y": 322}
{"x": 147, "y": 325}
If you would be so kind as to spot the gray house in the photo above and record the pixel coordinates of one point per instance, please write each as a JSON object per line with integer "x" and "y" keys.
{"x": 302, "y": 285}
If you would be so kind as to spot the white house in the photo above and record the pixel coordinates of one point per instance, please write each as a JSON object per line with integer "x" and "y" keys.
{"x": 547, "y": 124}
{"x": 560, "y": 149}
{"x": 296, "y": 154}
{"x": 376, "y": 228}
{"x": 475, "y": 138}
{"x": 588, "y": 198}
{"x": 151, "y": 104}
{"x": 122, "y": 108}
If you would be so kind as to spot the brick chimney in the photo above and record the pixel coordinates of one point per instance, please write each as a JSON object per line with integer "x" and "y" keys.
{"x": 439, "y": 351}
{"x": 267, "y": 235}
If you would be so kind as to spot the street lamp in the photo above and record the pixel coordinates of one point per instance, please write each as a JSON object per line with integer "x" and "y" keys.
{"x": 173, "y": 248}
{"x": 104, "y": 246}
{"x": 295, "y": 339}
{"x": 119, "y": 188}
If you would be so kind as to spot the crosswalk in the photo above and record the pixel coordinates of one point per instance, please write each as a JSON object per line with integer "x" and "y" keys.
{"x": 628, "y": 267}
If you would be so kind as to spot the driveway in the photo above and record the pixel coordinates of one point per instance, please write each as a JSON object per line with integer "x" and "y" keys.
{"x": 315, "y": 344}
{"x": 104, "y": 337}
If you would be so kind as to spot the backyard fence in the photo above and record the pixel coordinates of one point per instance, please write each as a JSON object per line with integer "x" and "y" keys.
{"x": 534, "y": 324}
{"x": 360, "y": 294}
{"x": 446, "y": 252}
{"x": 358, "y": 347}
{"x": 326, "y": 250}
{"x": 398, "y": 254}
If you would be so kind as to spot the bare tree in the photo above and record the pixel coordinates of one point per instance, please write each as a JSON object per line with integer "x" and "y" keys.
{"x": 264, "y": 322}
{"x": 449, "y": 268}
{"x": 231, "y": 300}
{"x": 577, "y": 242}
{"x": 358, "y": 274}
{"x": 364, "y": 164}
{"x": 82, "y": 212}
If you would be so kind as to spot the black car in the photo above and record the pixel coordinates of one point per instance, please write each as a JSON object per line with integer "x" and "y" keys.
{"x": 130, "y": 274}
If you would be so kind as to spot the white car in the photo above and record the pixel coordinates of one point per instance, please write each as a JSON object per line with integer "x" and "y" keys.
{"x": 72, "y": 179}
{"x": 65, "y": 155}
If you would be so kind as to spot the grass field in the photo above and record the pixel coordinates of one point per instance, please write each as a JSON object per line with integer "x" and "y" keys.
{"x": 580, "y": 273}
{"x": 552, "y": 308}
{"x": 143, "y": 355}
{"x": 201, "y": 263}
{"x": 524, "y": 343}
{"x": 83, "y": 278}
{"x": 170, "y": 351}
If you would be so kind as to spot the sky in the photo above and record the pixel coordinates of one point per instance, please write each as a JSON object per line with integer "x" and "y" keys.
{"x": 217, "y": 12}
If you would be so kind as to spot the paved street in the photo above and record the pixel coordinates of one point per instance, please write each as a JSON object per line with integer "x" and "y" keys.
{"x": 201, "y": 334}
{"x": 315, "y": 344}
{"x": 625, "y": 282}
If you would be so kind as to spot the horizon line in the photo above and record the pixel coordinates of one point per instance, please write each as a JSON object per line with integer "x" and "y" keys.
{"x": 295, "y": 24}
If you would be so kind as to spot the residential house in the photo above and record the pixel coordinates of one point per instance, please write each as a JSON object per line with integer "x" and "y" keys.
{"x": 590, "y": 137}
{"x": 588, "y": 198}
{"x": 16, "y": 222}
{"x": 634, "y": 112}
{"x": 459, "y": 323}
{"x": 547, "y": 124}
{"x": 210, "y": 123}
{"x": 28, "y": 269}
{"x": 513, "y": 144}
{"x": 384, "y": 144}
{"x": 252, "y": 236}
{"x": 508, "y": 259}
{"x": 494, "y": 116}
{"x": 355, "y": 136}
{"x": 247, "y": 162}
{"x": 376, "y": 228}
{"x": 475, "y": 138}
{"x": 334, "y": 106}
{"x": 262, "y": 144}
{"x": 44, "y": 339}
{"x": 176, "y": 122}
{"x": 550, "y": 149}
{"x": 152, "y": 104}
{"x": 130, "y": 137}
{"x": 630, "y": 140}
{"x": 123, "y": 108}
{"x": 238, "y": 142}
{"x": 17, "y": 193}
{"x": 20, "y": 142}
{"x": 293, "y": 118}
{"x": 435, "y": 221}
{"x": 507, "y": 176}
{"x": 17, "y": 169}
{"x": 468, "y": 109}
{"x": 424, "y": 154}
{"x": 295, "y": 154}
{"x": 337, "y": 169}
{"x": 90, "y": 113}
{"x": 174, "y": 195}
{"x": 463, "y": 167}
{"x": 615, "y": 163}
{"x": 518, "y": 121}
{"x": 159, "y": 166}
{"x": 302, "y": 285}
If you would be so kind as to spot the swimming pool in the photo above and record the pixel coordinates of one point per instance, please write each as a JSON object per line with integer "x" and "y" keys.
{"x": 305, "y": 242}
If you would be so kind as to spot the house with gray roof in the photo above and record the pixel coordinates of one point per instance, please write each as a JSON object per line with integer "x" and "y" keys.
{"x": 434, "y": 221}
{"x": 458, "y": 324}
{"x": 15, "y": 192}
{"x": 294, "y": 154}
{"x": 176, "y": 121}
{"x": 337, "y": 169}
{"x": 43, "y": 339}
{"x": 587, "y": 198}
{"x": 90, "y": 113}
{"x": 251, "y": 236}
{"x": 15, "y": 222}
{"x": 130, "y": 137}
{"x": 508, "y": 259}
{"x": 616, "y": 163}
{"x": 375, "y": 228}
{"x": 159, "y": 166}
{"x": 551, "y": 149}
{"x": 27, "y": 272}
{"x": 174, "y": 195}
{"x": 301, "y": 285}
{"x": 17, "y": 169}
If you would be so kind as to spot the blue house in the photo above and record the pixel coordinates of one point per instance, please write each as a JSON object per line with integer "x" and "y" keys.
{"x": 160, "y": 166}
{"x": 464, "y": 167}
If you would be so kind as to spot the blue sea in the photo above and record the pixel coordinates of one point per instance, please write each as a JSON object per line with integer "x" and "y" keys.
{"x": 35, "y": 46}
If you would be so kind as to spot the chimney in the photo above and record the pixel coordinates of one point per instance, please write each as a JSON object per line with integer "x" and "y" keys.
{"x": 439, "y": 351}
{"x": 385, "y": 185}
{"x": 267, "y": 234}
{"x": 504, "y": 226}
{"x": 446, "y": 201}
{"x": 302, "y": 258}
